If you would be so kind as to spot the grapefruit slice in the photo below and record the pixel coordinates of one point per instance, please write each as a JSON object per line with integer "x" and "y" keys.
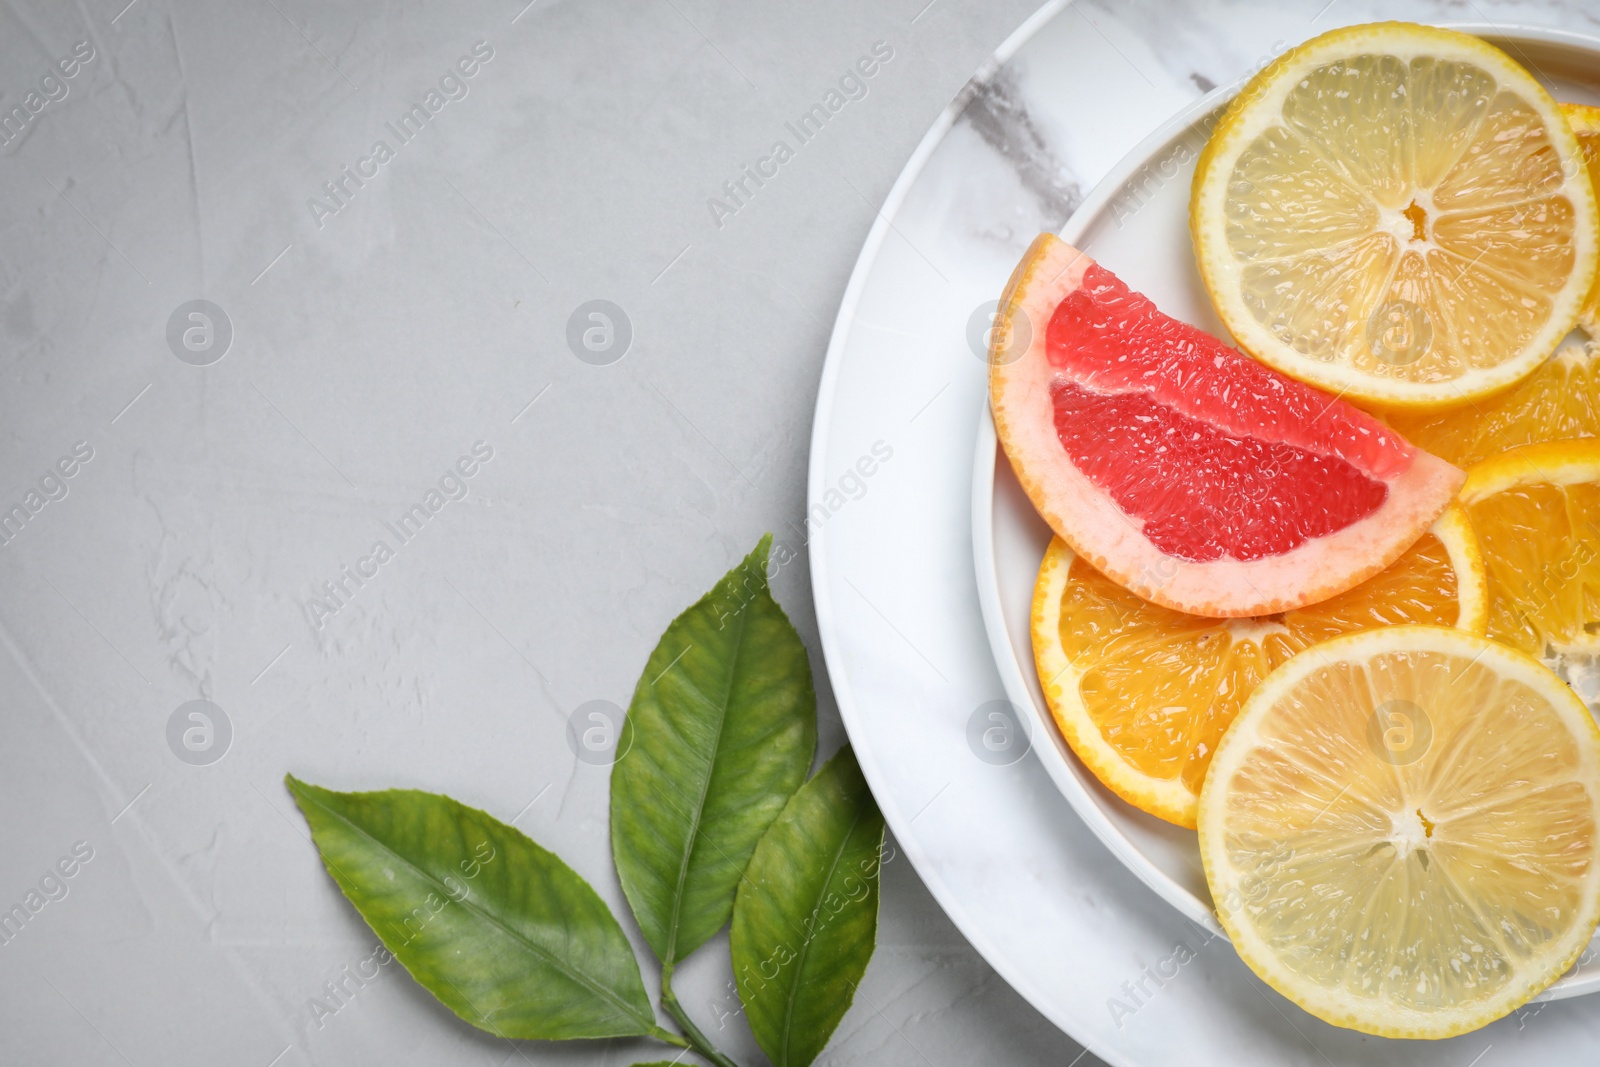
{"x": 1182, "y": 469}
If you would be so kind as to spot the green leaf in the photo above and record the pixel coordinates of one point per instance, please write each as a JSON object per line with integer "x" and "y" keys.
{"x": 502, "y": 931}
{"x": 806, "y": 918}
{"x": 720, "y": 734}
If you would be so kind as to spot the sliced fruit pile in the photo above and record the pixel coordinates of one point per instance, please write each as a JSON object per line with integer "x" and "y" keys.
{"x": 1144, "y": 693}
{"x": 1263, "y": 611}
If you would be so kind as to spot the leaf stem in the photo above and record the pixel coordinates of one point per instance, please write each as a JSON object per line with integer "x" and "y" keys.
{"x": 661, "y": 1034}
{"x": 697, "y": 1041}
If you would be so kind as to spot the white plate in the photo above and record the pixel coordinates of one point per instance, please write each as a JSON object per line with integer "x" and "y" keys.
{"x": 1015, "y": 866}
{"x": 1136, "y": 224}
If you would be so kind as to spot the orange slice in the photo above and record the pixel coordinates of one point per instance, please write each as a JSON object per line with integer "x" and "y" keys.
{"x": 1536, "y": 511}
{"x": 1143, "y": 693}
{"x": 1558, "y": 402}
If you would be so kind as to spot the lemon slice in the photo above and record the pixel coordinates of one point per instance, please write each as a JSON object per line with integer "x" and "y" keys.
{"x": 1558, "y": 402}
{"x": 1585, "y": 123}
{"x": 1143, "y": 693}
{"x": 1401, "y": 831}
{"x": 1396, "y": 213}
{"x": 1536, "y": 511}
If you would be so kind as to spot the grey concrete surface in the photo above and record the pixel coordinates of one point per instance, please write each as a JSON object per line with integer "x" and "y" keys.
{"x": 375, "y": 336}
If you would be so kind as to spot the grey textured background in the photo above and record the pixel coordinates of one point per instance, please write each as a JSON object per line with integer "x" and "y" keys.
{"x": 368, "y": 353}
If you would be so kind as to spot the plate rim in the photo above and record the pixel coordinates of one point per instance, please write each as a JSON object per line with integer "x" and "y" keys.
{"x": 987, "y": 455}
{"x": 817, "y": 555}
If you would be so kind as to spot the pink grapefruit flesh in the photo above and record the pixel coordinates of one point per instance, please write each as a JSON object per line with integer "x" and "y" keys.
{"x": 1183, "y": 469}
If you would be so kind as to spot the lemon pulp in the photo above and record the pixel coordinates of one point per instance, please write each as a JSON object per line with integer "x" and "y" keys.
{"x": 1396, "y": 212}
{"x": 1400, "y": 830}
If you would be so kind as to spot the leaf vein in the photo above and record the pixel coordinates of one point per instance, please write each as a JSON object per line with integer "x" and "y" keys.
{"x": 705, "y": 787}
{"x": 805, "y": 942}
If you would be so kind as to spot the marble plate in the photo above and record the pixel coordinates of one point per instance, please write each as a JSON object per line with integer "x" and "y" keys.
{"x": 992, "y": 832}
{"x": 1135, "y": 222}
